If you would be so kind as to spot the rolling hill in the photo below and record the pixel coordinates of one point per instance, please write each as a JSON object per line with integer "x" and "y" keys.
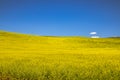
{"x": 11, "y": 41}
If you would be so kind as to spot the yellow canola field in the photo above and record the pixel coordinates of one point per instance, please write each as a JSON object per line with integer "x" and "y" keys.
{"x": 29, "y": 57}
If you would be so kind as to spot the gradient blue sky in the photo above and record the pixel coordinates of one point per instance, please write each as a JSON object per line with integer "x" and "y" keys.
{"x": 61, "y": 17}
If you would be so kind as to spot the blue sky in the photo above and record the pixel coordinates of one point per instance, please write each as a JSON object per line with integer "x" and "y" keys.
{"x": 61, "y": 17}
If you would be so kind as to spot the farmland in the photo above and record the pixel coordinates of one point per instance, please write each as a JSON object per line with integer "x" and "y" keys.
{"x": 31, "y": 57}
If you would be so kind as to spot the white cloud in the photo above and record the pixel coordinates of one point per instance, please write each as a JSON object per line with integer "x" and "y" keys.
{"x": 93, "y": 32}
{"x": 95, "y": 37}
